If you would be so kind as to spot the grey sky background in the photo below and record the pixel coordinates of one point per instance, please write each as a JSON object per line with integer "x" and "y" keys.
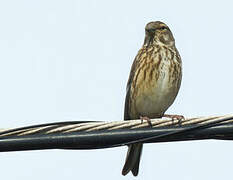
{"x": 70, "y": 60}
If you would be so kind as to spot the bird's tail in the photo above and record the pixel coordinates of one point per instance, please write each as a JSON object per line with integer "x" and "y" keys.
{"x": 132, "y": 159}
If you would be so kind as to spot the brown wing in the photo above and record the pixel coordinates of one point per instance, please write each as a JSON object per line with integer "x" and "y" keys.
{"x": 131, "y": 76}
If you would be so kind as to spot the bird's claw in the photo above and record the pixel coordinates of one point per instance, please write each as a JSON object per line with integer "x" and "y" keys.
{"x": 147, "y": 119}
{"x": 175, "y": 117}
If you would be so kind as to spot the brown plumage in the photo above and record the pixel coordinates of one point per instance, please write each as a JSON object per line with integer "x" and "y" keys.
{"x": 153, "y": 83}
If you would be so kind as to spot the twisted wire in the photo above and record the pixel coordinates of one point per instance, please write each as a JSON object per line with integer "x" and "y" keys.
{"x": 95, "y": 135}
{"x": 89, "y": 126}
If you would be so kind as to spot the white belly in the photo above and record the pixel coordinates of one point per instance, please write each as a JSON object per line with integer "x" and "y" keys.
{"x": 155, "y": 99}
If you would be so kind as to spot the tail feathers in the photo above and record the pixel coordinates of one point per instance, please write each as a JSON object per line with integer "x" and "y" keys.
{"x": 132, "y": 159}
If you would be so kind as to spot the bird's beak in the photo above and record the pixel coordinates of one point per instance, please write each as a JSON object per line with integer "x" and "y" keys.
{"x": 148, "y": 40}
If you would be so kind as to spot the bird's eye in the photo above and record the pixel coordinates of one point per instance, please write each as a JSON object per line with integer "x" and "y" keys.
{"x": 163, "y": 28}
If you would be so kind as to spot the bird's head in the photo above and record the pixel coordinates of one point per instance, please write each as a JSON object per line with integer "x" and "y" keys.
{"x": 158, "y": 33}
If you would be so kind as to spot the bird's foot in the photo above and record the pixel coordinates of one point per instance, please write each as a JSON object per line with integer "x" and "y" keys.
{"x": 147, "y": 119}
{"x": 175, "y": 117}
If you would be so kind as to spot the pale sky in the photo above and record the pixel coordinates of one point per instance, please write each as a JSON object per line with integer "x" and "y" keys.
{"x": 70, "y": 60}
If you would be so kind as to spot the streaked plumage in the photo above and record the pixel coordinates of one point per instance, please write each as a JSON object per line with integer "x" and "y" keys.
{"x": 153, "y": 83}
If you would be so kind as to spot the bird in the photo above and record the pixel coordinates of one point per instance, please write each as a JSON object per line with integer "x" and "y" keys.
{"x": 153, "y": 84}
